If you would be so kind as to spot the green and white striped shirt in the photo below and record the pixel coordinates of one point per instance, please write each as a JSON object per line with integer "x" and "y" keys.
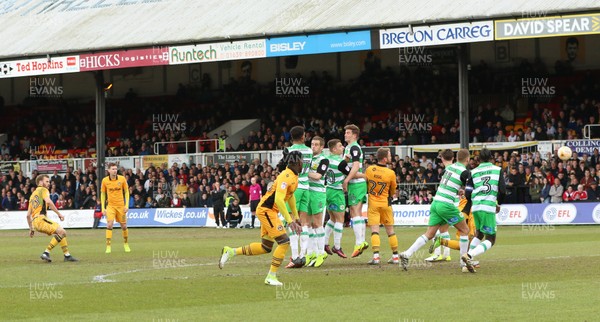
{"x": 356, "y": 154}
{"x": 306, "y": 160}
{"x": 455, "y": 176}
{"x": 319, "y": 164}
{"x": 486, "y": 180}
{"x": 335, "y": 177}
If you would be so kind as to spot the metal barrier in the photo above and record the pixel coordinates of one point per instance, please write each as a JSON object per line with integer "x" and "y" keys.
{"x": 199, "y": 145}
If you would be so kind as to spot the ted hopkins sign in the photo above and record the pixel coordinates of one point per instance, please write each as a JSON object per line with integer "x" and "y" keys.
{"x": 567, "y": 25}
{"x": 436, "y": 35}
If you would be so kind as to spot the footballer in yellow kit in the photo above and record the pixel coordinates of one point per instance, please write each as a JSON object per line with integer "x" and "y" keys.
{"x": 271, "y": 228}
{"x": 381, "y": 185}
{"x": 39, "y": 202}
{"x": 115, "y": 203}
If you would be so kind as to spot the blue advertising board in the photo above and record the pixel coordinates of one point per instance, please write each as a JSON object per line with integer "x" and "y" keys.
{"x": 165, "y": 217}
{"x": 319, "y": 44}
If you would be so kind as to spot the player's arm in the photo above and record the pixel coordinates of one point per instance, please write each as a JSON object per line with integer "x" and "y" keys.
{"x": 467, "y": 181}
{"x": 321, "y": 170}
{"x": 29, "y": 210}
{"x": 355, "y": 159}
{"x": 501, "y": 188}
{"x": 126, "y": 188}
{"x": 53, "y": 207}
{"x": 103, "y": 197}
{"x": 393, "y": 185}
{"x": 292, "y": 204}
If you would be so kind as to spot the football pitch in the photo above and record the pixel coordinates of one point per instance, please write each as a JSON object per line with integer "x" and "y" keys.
{"x": 534, "y": 273}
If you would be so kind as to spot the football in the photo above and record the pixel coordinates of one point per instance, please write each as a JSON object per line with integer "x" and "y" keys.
{"x": 564, "y": 153}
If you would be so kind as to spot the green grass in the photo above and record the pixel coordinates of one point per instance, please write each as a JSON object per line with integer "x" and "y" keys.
{"x": 530, "y": 275}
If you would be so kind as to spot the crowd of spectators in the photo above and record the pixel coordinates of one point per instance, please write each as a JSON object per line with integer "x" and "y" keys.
{"x": 530, "y": 178}
{"x": 392, "y": 106}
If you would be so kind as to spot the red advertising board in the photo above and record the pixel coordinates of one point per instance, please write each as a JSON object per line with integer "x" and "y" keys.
{"x": 124, "y": 59}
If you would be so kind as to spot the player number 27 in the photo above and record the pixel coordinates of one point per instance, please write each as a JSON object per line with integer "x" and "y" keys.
{"x": 373, "y": 185}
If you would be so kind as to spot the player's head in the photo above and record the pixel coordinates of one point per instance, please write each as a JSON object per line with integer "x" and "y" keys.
{"x": 485, "y": 155}
{"x": 42, "y": 181}
{"x": 463, "y": 156}
{"x": 317, "y": 144}
{"x": 447, "y": 155}
{"x": 351, "y": 133}
{"x": 384, "y": 156}
{"x": 294, "y": 161}
{"x": 572, "y": 45}
{"x": 297, "y": 133}
{"x": 112, "y": 169}
{"x": 335, "y": 146}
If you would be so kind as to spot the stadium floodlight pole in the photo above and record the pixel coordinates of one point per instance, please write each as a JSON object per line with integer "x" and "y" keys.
{"x": 100, "y": 130}
{"x": 463, "y": 94}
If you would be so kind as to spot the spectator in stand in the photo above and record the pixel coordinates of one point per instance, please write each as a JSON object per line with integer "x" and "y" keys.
{"x": 205, "y": 201}
{"x": 185, "y": 200}
{"x": 138, "y": 202}
{"x": 569, "y": 195}
{"x": 556, "y": 192}
{"x": 176, "y": 202}
{"x": 9, "y": 202}
{"x": 61, "y": 203}
{"x": 581, "y": 194}
{"x": 535, "y": 190}
{"x": 23, "y": 203}
{"x": 194, "y": 197}
{"x": 150, "y": 203}
{"x": 593, "y": 192}
{"x": 234, "y": 214}
{"x": 218, "y": 200}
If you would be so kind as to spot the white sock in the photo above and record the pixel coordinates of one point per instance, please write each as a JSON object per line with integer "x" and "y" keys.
{"x": 420, "y": 242}
{"x": 294, "y": 245}
{"x": 363, "y": 232}
{"x": 338, "y": 228}
{"x": 312, "y": 241}
{"x": 464, "y": 244}
{"x": 304, "y": 238}
{"x": 481, "y": 248}
{"x": 438, "y": 251}
{"x": 320, "y": 239}
{"x": 446, "y": 251}
{"x": 474, "y": 242}
{"x": 356, "y": 226}
{"x": 328, "y": 230}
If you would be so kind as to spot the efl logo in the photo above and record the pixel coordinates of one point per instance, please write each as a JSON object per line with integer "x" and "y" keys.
{"x": 560, "y": 213}
{"x": 596, "y": 214}
{"x": 511, "y": 215}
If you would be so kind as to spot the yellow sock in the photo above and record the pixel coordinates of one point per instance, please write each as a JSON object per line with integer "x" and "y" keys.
{"x": 278, "y": 256}
{"x": 393, "y": 240}
{"x": 108, "y": 236}
{"x": 251, "y": 250}
{"x": 53, "y": 243}
{"x": 63, "y": 245}
{"x": 375, "y": 242}
{"x": 125, "y": 234}
{"x": 451, "y": 243}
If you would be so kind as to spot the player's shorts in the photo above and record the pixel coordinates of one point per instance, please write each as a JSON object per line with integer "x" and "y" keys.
{"x": 317, "y": 202}
{"x": 442, "y": 213}
{"x": 336, "y": 201}
{"x": 117, "y": 213}
{"x": 302, "y": 198}
{"x": 485, "y": 222}
{"x": 44, "y": 225}
{"x": 270, "y": 225}
{"x": 380, "y": 215}
{"x": 254, "y": 204}
{"x": 357, "y": 193}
